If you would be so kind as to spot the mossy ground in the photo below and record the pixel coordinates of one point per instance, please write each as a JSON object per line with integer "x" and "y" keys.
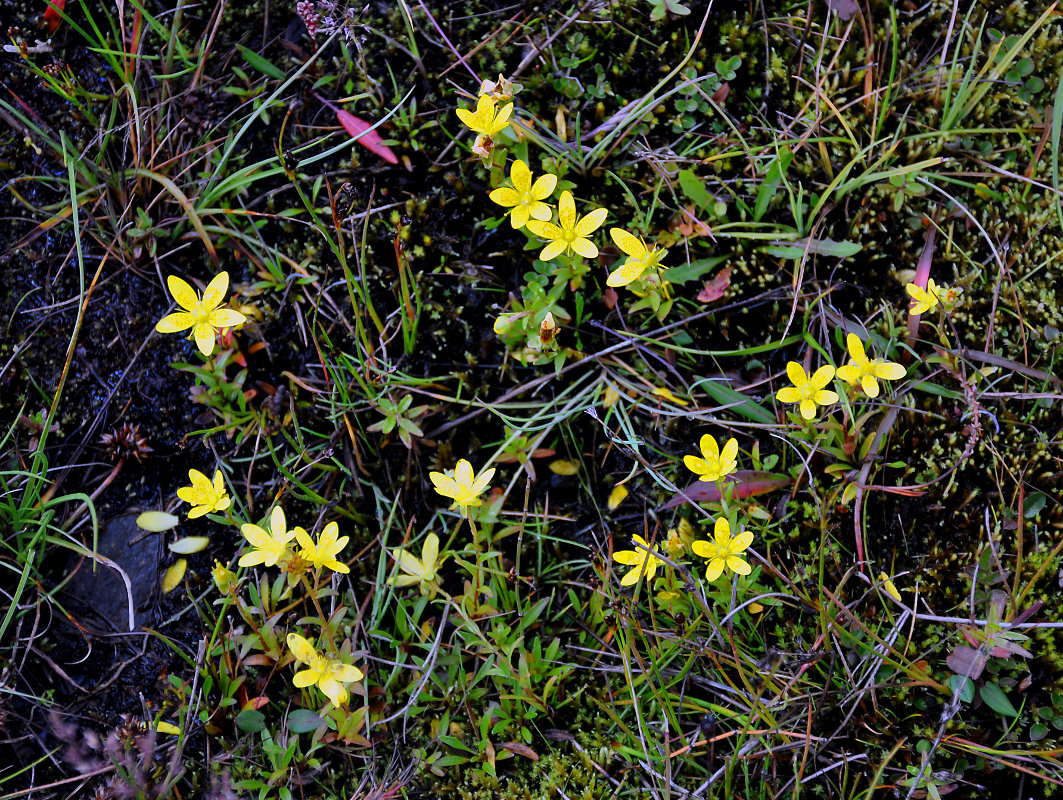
{"x": 966, "y": 481}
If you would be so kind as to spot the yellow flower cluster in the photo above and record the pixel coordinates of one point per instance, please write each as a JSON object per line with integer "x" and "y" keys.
{"x": 273, "y": 546}
{"x": 328, "y": 674}
{"x": 723, "y": 552}
{"x": 810, "y": 391}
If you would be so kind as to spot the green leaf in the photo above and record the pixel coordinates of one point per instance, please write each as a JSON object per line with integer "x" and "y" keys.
{"x": 250, "y": 720}
{"x": 303, "y": 720}
{"x": 994, "y": 697}
{"x": 693, "y": 270}
{"x": 259, "y": 63}
{"x": 695, "y": 190}
{"x": 822, "y": 247}
{"x": 737, "y": 402}
{"x": 967, "y": 692}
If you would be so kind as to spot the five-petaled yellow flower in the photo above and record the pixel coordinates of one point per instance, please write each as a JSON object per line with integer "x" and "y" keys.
{"x": 639, "y": 258}
{"x": 725, "y": 551}
{"x": 809, "y": 392}
{"x": 714, "y": 463}
{"x": 329, "y": 674}
{"x": 925, "y": 299}
{"x": 525, "y": 198}
{"x": 323, "y": 554}
{"x": 488, "y": 118}
{"x": 420, "y": 571}
{"x": 570, "y": 234}
{"x": 867, "y": 372}
{"x": 204, "y": 495}
{"x": 268, "y": 547}
{"x": 460, "y": 485}
{"x": 645, "y": 561}
{"x": 201, "y": 315}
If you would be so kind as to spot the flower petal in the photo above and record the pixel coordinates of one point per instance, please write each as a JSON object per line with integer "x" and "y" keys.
{"x": 630, "y": 270}
{"x": 411, "y": 564}
{"x": 729, "y": 454}
{"x": 585, "y": 248}
{"x": 544, "y": 186}
{"x": 788, "y": 395}
{"x": 506, "y": 197}
{"x": 184, "y": 294}
{"x": 216, "y": 289}
{"x": 521, "y": 176}
{"x": 347, "y": 673}
{"x": 539, "y": 211}
{"x": 742, "y": 541}
{"x": 552, "y": 250}
{"x": 722, "y": 532}
{"x": 822, "y": 376}
{"x": 628, "y": 557}
{"x": 850, "y": 373}
{"x": 226, "y": 318}
{"x": 301, "y": 648}
{"x": 304, "y": 678}
{"x": 176, "y": 322}
{"x": 855, "y": 347}
{"x": 808, "y": 409}
{"x": 430, "y": 552}
{"x": 825, "y": 397}
{"x": 627, "y": 242}
{"x": 592, "y": 222}
{"x": 709, "y": 449}
{"x": 796, "y": 373}
{"x": 204, "y": 335}
{"x": 714, "y": 569}
{"x": 889, "y": 371}
{"x": 566, "y": 211}
{"x": 869, "y": 385}
{"x": 738, "y": 565}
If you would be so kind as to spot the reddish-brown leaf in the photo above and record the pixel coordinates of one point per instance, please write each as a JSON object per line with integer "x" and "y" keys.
{"x": 51, "y": 15}
{"x": 370, "y": 139}
{"x": 748, "y": 483}
{"x": 521, "y": 750}
{"x": 715, "y": 287}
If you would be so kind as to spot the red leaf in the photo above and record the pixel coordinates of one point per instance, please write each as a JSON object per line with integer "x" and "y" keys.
{"x": 749, "y": 483}
{"x": 370, "y": 139}
{"x": 51, "y": 15}
{"x": 715, "y": 287}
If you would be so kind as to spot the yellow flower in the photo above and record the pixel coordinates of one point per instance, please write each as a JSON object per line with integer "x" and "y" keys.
{"x": 639, "y": 258}
{"x": 224, "y": 578}
{"x": 460, "y": 486}
{"x": 201, "y": 315}
{"x": 725, "y": 551}
{"x": 925, "y": 299}
{"x": 324, "y": 553}
{"x": 421, "y": 570}
{"x": 488, "y": 119}
{"x": 204, "y": 496}
{"x": 867, "y": 372}
{"x": 268, "y": 547}
{"x": 525, "y": 198}
{"x": 329, "y": 674}
{"x": 809, "y": 392}
{"x": 570, "y": 234}
{"x": 644, "y": 561}
{"x": 713, "y": 464}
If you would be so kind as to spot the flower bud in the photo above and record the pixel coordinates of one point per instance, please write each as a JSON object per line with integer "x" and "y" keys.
{"x": 547, "y": 329}
{"x": 224, "y": 578}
